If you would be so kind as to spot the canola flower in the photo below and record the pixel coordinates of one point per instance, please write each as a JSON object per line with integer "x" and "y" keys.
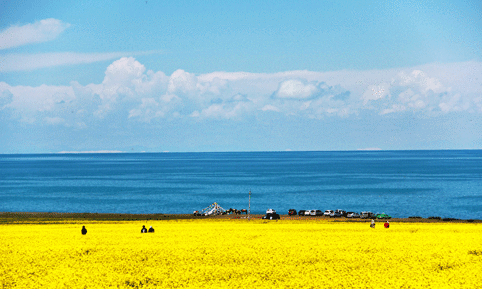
{"x": 241, "y": 254}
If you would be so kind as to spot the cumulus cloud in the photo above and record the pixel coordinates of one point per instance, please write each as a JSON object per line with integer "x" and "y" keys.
{"x": 32, "y": 103}
{"x": 295, "y": 89}
{"x": 51, "y": 105}
{"x": 420, "y": 81}
{"x": 423, "y": 90}
{"x": 223, "y": 110}
{"x": 312, "y": 99}
{"x": 131, "y": 93}
{"x": 376, "y": 92}
{"x": 126, "y": 69}
{"x": 182, "y": 82}
{"x": 37, "y": 32}
{"x": 147, "y": 110}
{"x": 125, "y": 85}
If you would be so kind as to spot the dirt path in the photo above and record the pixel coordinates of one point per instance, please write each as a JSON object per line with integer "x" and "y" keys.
{"x": 21, "y": 217}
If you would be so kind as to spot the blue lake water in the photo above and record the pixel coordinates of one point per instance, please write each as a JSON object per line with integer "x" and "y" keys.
{"x": 399, "y": 183}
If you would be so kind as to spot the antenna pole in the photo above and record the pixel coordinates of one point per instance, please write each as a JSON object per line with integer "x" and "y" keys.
{"x": 249, "y": 206}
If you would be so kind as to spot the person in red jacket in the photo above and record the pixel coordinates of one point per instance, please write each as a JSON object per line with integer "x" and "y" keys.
{"x": 387, "y": 224}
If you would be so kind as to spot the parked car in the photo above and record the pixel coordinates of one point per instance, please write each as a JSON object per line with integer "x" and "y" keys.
{"x": 307, "y": 212}
{"x": 301, "y": 212}
{"x": 270, "y": 211}
{"x": 316, "y": 213}
{"x": 342, "y": 212}
{"x": 366, "y": 215}
{"x": 382, "y": 216}
{"x": 335, "y": 214}
{"x": 352, "y": 215}
{"x": 292, "y": 212}
{"x": 328, "y": 212}
{"x": 271, "y": 216}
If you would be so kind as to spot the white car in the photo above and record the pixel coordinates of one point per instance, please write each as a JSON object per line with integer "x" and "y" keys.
{"x": 313, "y": 213}
{"x": 270, "y": 211}
{"x": 328, "y": 213}
{"x": 352, "y": 215}
{"x": 307, "y": 212}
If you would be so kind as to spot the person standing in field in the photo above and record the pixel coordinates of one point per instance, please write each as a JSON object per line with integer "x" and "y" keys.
{"x": 372, "y": 225}
{"x": 143, "y": 230}
{"x": 151, "y": 230}
{"x": 387, "y": 224}
{"x": 84, "y": 230}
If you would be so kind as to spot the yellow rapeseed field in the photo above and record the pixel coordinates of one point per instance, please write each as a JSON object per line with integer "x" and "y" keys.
{"x": 241, "y": 254}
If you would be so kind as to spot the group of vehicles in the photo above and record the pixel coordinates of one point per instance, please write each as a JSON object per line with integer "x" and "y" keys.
{"x": 338, "y": 213}
{"x": 272, "y": 215}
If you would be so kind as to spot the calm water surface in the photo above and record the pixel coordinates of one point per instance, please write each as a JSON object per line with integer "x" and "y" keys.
{"x": 399, "y": 183}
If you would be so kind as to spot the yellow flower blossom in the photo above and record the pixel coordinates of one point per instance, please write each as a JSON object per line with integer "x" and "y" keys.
{"x": 241, "y": 254}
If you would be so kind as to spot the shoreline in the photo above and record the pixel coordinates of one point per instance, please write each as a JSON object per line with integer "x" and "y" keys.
{"x": 55, "y": 217}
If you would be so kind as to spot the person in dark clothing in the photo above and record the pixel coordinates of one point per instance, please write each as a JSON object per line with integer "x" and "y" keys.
{"x": 84, "y": 230}
{"x": 143, "y": 230}
{"x": 151, "y": 230}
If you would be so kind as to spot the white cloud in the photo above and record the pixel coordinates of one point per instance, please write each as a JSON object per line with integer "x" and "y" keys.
{"x": 37, "y": 32}
{"x": 39, "y": 99}
{"x": 148, "y": 109}
{"x": 270, "y": 107}
{"x": 394, "y": 108}
{"x": 295, "y": 89}
{"x": 454, "y": 103}
{"x": 420, "y": 81}
{"x": 412, "y": 99}
{"x": 27, "y": 62}
{"x": 40, "y": 105}
{"x": 6, "y": 97}
{"x": 131, "y": 93}
{"x": 376, "y": 92}
{"x": 125, "y": 70}
{"x": 182, "y": 82}
{"x": 231, "y": 76}
{"x": 215, "y": 86}
{"x": 125, "y": 84}
{"x": 428, "y": 89}
{"x": 223, "y": 111}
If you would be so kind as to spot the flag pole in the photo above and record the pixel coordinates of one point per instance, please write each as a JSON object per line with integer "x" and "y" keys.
{"x": 249, "y": 206}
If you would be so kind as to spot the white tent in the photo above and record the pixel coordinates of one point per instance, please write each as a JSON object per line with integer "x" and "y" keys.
{"x": 213, "y": 209}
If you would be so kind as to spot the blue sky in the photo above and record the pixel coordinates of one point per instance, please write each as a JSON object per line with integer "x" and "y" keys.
{"x": 239, "y": 75}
